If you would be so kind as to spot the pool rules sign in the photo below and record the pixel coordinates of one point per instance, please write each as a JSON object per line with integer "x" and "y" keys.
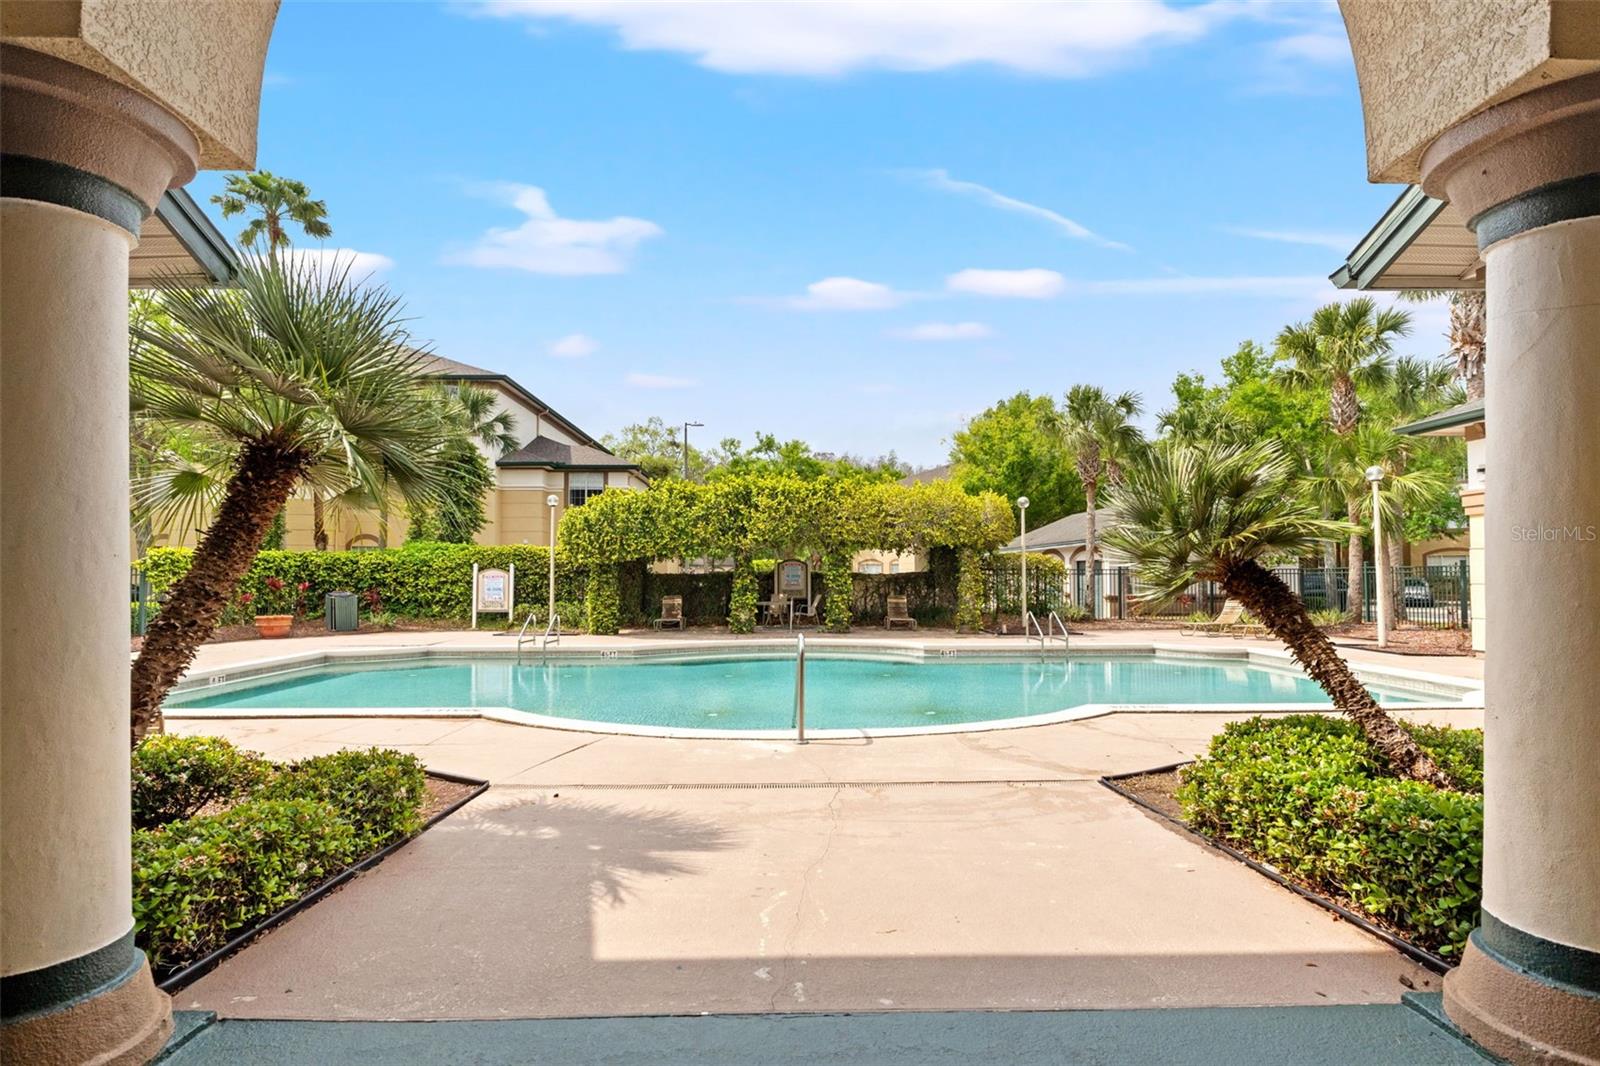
{"x": 493, "y": 592}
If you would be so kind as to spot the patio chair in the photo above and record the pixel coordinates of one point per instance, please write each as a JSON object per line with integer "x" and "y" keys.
{"x": 898, "y": 614}
{"x": 671, "y": 612}
{"x": 810, "y": 610}
{"x": 1224, "y": 622}
{"x": 777, "y": 610}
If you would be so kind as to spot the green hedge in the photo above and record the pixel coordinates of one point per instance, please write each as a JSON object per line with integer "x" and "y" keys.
{"x": 1303, "y": 793}
{"x": 178, "y": 777}
{"x": 380, "y": 793}
{"x": 198, "y": 881}
{"x": 419, "y": 580}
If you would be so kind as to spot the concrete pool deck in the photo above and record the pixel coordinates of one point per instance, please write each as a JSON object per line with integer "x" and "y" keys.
{"x": 608, "y": 875}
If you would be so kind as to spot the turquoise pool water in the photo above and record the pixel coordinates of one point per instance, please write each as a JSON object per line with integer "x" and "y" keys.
{"x": 756, "y": 694}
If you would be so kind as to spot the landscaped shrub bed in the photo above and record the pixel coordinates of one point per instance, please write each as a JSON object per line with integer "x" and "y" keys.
{"x": 1303, "y": 794}
{"x": 266, "y": 835}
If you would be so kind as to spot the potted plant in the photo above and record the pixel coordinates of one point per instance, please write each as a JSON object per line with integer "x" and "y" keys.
{"x": 275, "y": 616}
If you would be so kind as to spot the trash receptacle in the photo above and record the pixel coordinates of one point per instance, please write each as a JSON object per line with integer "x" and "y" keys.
{"x": 340, "y": 610}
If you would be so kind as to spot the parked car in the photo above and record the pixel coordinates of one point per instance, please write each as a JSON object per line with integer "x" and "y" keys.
{"x": 1417, "y": 592}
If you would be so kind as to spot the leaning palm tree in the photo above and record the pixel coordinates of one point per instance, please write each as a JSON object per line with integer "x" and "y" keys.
{"x": 296, "y": 375}
{"x": 1099, "y": 431}
{"x": 277, "y": 201}
{"x": 1211, "y": 512}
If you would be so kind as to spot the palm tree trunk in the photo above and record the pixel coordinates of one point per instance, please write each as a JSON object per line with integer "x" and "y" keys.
{"x": 319, "y": 532}
{"x": 1344, "y": 407}
{"x": 1356, "y": 604}
{"x": 260, "y": 486}
{"x": 1396, "y": 559}
{"x": 1281, "y": 611}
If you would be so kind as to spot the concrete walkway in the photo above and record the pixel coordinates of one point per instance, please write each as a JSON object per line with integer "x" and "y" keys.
{"x": 619, "y": 875}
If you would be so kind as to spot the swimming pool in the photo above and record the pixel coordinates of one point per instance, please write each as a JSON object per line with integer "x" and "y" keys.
{"x": 754, "y": 695}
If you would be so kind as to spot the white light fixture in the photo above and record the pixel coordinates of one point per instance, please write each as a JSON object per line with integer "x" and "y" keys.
{"x": 1022, "y": 512}
{"x": 1375, "y": 476}
{"x": 554, "y": 501}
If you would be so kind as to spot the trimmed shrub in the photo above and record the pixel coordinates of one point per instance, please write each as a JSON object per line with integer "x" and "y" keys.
{"x": 420, "y": 580}
{"x": 742, "y": 599}
{"x": 178, "y": 777}
{"x": 1303, "y": 793}
{"x": 378, "y": 792}
{"x": 603, "y": 601}
{"x": 837, "y": 585}
{"x": 969, "y": 591}
{"x": 199, "y": 880}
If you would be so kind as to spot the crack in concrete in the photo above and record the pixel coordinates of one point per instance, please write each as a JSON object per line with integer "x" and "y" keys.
{"x": 786, "y": 961}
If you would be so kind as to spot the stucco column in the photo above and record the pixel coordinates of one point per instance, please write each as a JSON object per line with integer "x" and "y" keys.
{"x": 84, "y": 160}
{"x": 1527, "y": 172}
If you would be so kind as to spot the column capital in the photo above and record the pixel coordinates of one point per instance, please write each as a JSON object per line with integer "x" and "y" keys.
{"x": 1530, "y": 161}
{"x": 76, "y": 138}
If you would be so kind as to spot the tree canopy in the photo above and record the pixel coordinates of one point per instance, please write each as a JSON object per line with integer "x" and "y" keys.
{"x": 1013, "y": 450}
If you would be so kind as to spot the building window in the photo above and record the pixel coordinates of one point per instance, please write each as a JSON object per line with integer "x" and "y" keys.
{"x": 362, "y": 543}
{"x": 873, "y": 567}
{"x": 894, "y": 567}
{"x": 582, "y": 486}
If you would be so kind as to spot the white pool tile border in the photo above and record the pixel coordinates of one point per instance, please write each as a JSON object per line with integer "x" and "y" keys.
{"x": 1453, "y": 693}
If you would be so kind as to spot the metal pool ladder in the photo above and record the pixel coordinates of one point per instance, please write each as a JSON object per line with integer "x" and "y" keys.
{"x": 800, "y": 688}
{"x": 1051, "y": 630}
{"x": 552, "y": 632}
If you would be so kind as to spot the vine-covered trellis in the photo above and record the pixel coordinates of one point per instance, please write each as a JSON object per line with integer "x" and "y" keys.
{"x": 743, "y": 518}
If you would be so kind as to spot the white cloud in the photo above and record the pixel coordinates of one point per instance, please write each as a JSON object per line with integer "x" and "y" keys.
{"x": 1325, "y": 49}
{"x": 574, "y": 346}
{"x": 1031, "y": 284}
{"x": 359, "y": 265}
{"x": 847, "y": 294}
{"x": 796, "y": 38}
{"x": 941, "y": 179}
{"x": 942, "y": 331}
{"x": 548, "y": 244}
{"x": 657, "y": 381}
{"x": 1338, "y": 242}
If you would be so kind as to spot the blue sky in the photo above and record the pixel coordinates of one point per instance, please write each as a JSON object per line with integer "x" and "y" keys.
{"x": 855, "y": 224}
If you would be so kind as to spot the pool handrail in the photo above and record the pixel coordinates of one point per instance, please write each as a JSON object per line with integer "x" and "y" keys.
{"x": 1045, "y": 633}
{"x": 800, "y": 688}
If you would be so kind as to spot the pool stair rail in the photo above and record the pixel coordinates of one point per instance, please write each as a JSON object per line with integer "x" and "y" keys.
{"x": 552, "y": 632}
{"x": 800, "y": 688}
{"x": 1046, "y": 633}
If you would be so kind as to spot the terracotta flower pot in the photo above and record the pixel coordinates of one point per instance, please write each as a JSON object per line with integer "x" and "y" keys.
{"x": 272, "y": 626}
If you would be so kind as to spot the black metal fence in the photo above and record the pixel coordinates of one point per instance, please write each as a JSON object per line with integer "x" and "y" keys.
{"x": 1433, "y": 596}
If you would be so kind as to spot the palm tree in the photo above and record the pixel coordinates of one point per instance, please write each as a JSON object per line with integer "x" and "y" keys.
{"x": 296, "y": 374}
{"x": 1343, "y": 346}
{"x": 1467, "y": 331}
{"x": 1416, "y": 386}
{"x": 277, "y": 201}
{"x": 472, "y": 410}
{"x": 1210, "y": 512}
{"x": 1346, "y": 466}
{"x": 1098, "y": 430}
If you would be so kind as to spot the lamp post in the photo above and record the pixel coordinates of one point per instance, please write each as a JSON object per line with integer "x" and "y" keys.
{"x": 1375, "y": 476}
{"x": 553, "y": 500}
{"x": 1022, "y": 514}
{"x": 686, "y": 427}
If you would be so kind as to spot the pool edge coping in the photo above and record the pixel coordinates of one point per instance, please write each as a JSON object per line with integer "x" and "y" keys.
{"x": 1468, "y": 692}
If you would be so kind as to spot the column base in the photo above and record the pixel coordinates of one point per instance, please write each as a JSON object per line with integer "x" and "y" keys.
{"x": 126, "y": 1025}
{"x": 1518, "y": 1016}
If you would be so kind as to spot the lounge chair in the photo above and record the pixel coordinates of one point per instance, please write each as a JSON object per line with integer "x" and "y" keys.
{"x": 1227, "y": 618}
{"x": 898, "y": 615}
{"x": 671, "y": 612}
{"x": 810, "y": 610}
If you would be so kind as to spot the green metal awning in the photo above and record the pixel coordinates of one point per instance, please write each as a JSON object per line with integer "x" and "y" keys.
{"x": 1419, "y": 243}
{"x": 1442, "y": 422}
